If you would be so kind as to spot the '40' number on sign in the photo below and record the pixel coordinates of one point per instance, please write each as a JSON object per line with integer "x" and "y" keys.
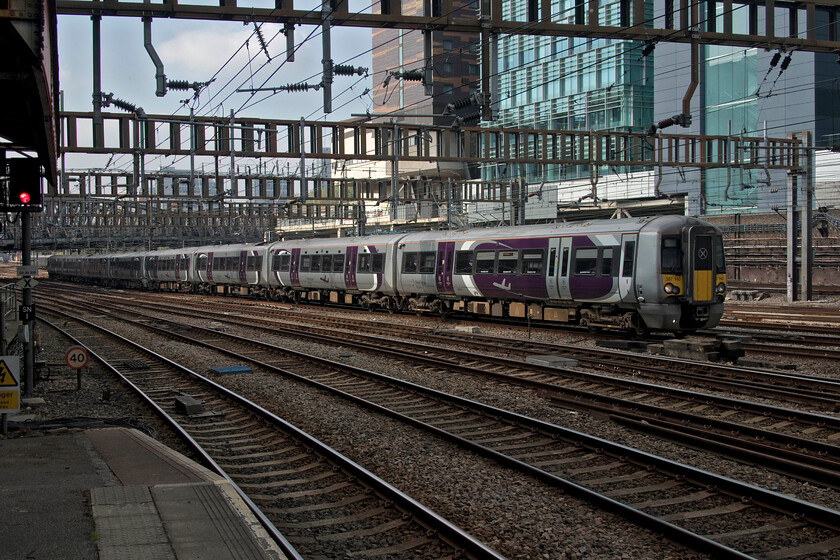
{"x": 76, "y": 357}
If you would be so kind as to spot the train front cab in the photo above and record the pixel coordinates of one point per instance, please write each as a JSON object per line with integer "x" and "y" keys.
{"x": 692, "y": 281}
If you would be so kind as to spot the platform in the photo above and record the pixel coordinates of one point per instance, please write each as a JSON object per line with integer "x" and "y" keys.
{"x": 117, "y": 494}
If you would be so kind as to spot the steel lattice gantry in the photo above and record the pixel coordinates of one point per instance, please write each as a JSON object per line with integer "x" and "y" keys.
{"x": 709, "y": 22}
{"x": 268, "y": 138}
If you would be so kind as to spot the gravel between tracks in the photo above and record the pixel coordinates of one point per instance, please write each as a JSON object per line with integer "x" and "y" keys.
{"x": 504, "y": 509}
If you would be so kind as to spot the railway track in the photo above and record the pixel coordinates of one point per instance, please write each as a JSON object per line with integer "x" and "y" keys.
{"x": 794, "y": 345}
{"x": 709, "y": 513}
{"x": 823, "y": 320}
{"x": 771, "y": 436}
{"x": 315, "y": 502}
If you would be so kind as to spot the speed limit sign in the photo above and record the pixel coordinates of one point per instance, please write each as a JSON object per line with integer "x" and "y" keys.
{"x": 76, "y": 357}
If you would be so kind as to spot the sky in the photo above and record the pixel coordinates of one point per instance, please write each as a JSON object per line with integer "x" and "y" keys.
{"x": 197, "y": 51}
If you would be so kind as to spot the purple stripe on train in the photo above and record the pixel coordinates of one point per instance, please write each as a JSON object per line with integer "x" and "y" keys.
{"x": 583, "y": 287}
{"x": 510, "y": 285}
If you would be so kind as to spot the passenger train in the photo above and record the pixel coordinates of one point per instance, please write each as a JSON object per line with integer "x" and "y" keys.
{"x": 637, "y": 274}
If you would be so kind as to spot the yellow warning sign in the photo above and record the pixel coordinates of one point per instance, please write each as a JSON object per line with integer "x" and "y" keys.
{"x": 9, "y": 388}
{"x": 7, "y": 378}
{"x": 9, "y": 401}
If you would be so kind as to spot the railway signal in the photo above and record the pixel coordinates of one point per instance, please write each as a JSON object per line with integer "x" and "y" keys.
{"x": 24, "y": 184}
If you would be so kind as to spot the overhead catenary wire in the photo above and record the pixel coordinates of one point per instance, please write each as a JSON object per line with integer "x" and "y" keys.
{"x": 252, "y": 104}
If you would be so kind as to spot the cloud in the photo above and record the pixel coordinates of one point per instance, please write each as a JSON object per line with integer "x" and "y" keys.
{"x": 205, "y": 50}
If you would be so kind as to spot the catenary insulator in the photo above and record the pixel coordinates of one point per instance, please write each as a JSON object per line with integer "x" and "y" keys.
{"x": 347, "y": 70}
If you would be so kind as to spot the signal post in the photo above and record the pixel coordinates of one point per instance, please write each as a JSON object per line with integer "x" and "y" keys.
{"x": 22, "y": 194}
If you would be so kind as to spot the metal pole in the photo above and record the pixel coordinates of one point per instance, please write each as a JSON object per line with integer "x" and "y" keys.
{"x": 192, "y": 153}
{"x": 512, "y": 203}
{"x": 98, "y": 126}
{"x": 28, "y": 353}
{"x": 327, "y": 57}
{"x": 791, "y": 236}
{"x": 302, "y": 161}
{"x": 3, "y": 325}
{"x": 449, "y": 203}
{"x": 233, "y": 186}
{"x": 806, "y": 221}
{"x": 395, "y": 169}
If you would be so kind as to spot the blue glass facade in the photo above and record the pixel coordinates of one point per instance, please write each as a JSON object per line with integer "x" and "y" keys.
{"x": 560, "y": 83}
{"x": 730, "y": 108}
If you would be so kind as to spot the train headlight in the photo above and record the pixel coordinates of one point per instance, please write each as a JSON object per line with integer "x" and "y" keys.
{"x": 671, "y": 289}
{"x": 720, "y": 288}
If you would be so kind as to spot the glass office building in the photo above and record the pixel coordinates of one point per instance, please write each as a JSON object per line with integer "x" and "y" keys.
{"x": 560, "y": 83}
{"x": 751, "y": 93}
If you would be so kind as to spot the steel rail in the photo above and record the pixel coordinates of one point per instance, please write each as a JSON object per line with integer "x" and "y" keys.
{"x": 775, "y": 502}
{"x": 814, "y": 390}
{"x": 424, "y": 516}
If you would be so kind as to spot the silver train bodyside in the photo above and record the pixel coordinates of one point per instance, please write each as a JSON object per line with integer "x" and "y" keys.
{"x": 660, "y": 273}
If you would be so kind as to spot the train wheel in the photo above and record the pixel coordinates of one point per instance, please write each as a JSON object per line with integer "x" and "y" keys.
{"x": 584, "y": 322}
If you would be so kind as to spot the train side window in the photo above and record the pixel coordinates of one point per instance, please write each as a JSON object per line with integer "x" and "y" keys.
{"x": 552, "y": 260}
{"x": 411, "y": 262}
{"x": 326, "y": 263}
{"x": 305, "y": 263}
{"x": 363, "y": 261}
{"x": 202, "y": 262}
{"x": 629, "y": 259}
{"x": 485, "y": 262}
{"x": 720, "y": 259}
{"x": 508, "y": 262}
{"x": 532, "y": 262}
{"x": 586, "y": 262}
{"x": 607, "y": 261}
{"x": 285, "y": 262}
{"x": 338, "y": 263}
{"x": 564, "y": 272}
{"x": 377, "y": 264}
{"x": 671, "y": 255}
{"x": 315, "y": 263}
{"x": 464, "y": 262}
{"x": 427, "y": 262}
{"x": 249, "y": 262}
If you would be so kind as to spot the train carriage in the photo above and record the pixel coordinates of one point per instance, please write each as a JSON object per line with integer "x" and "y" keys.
{"x": 663, "y": 273}
{"x": 126, "y": 269}
{"x": 345, "y": 270}
{"x": 169, "y": 269}
{"x": 228, "y": 269}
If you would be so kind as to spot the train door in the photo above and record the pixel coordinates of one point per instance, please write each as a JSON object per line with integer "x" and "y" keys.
{"x": 559, "y": 255}
{"x": 243, "y": 271}
{"x": 701, "y": 264}
{"x": 443, "y": 274}
{"x": 294, "y": 268}
{"x": 350, "y": 256}
{"x": 551, "y": 269}
{"x": 627, "y": 273}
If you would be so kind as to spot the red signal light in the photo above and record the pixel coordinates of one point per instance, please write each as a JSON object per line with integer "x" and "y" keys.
{"x": 24, "y": 198}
